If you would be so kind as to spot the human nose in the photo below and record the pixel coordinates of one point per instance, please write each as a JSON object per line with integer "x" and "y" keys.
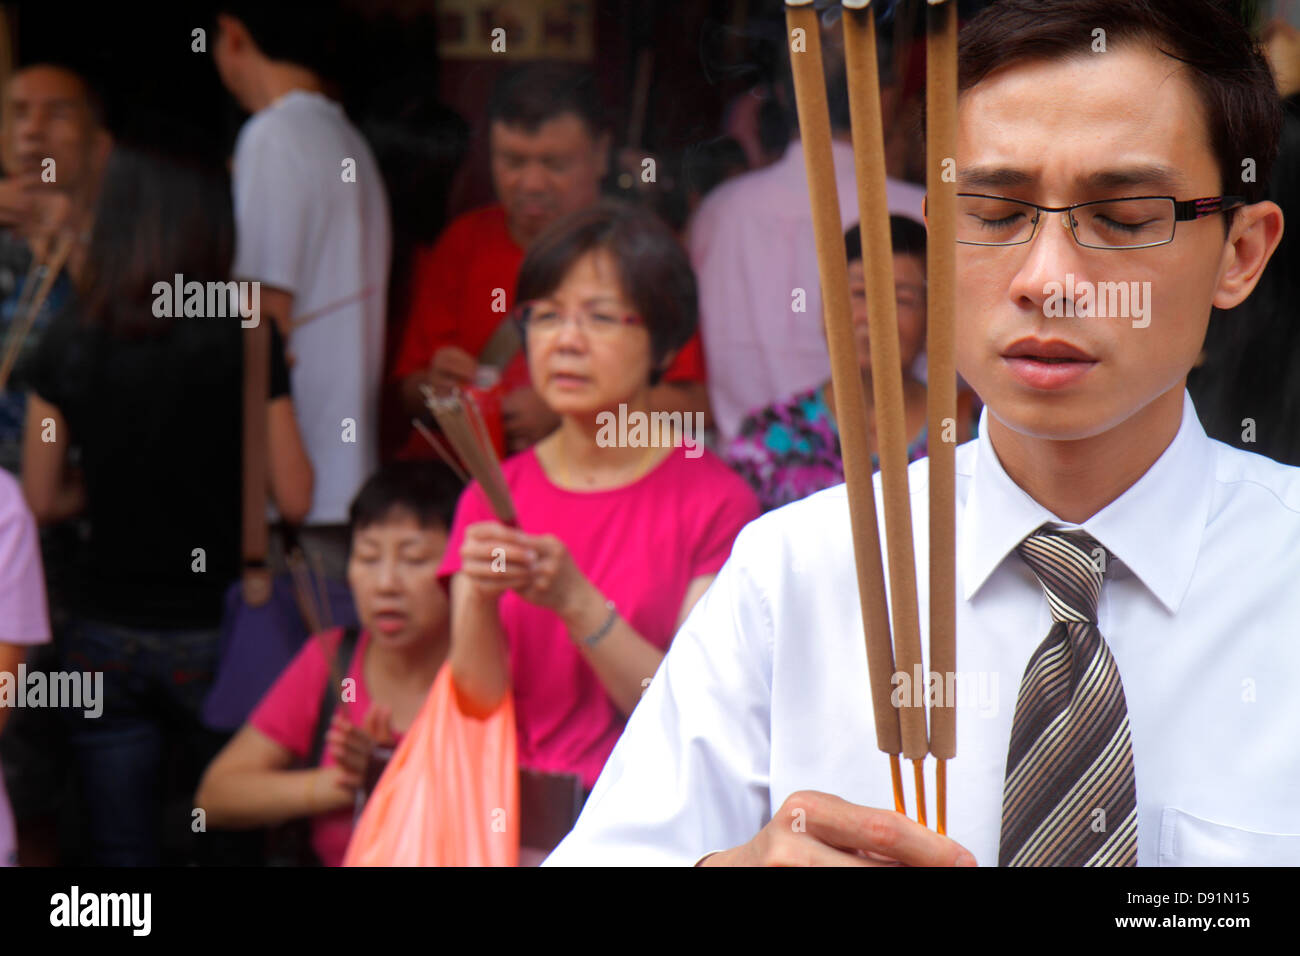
{"x": 31, "y": 125}
{"x": 1052, "y": 253}
{"x": 572, "y": 332}
{"x": 387, "y": 578}
{"x": 533, "y": 178}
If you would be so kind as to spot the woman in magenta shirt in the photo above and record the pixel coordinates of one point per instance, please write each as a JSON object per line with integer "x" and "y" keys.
{"x": 284, "y": 763}
{"x": 620, "y": 529}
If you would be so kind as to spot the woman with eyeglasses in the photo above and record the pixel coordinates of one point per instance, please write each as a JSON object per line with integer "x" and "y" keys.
{"x": 791, "y": 448}
{"x": 623, "y": 522}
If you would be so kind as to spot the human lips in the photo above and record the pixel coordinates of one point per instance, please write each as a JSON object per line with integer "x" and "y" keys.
{"x": 390, "y": 622}
{"x": 534, "y": 210}
{"x": 568, "y": 379}
{"x": 1047, "y": 349}
{"x": 1048, "y": 364}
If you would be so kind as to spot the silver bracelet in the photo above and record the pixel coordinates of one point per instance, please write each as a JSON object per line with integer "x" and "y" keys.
{"x": 592, "y": 639}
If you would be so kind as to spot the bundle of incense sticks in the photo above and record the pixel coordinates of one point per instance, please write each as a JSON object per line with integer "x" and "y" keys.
{"x": 309, "y": 590}
{"x": 40, "y": 279}
{"x": 471, "y": 450}
{"x": 899, "y": 730}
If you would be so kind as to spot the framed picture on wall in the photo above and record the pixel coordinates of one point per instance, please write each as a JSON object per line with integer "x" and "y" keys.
{"x": 552, "y": 29}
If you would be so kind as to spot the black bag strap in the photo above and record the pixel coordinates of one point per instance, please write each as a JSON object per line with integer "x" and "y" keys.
{"x": 330, "y": 695}
{"x": 256, "y": 576}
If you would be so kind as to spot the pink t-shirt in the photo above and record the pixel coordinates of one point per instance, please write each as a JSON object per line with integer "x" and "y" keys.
{"x": 288, "y": 713}
{"x": 24, "y": 618}
{"x": 641, "y": 545}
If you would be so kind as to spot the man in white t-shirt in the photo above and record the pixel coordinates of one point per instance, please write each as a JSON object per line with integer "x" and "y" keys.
{"x": 312, "y": 227}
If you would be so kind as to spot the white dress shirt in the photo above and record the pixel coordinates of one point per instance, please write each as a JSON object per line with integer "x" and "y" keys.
{"x": 764, "y": 690}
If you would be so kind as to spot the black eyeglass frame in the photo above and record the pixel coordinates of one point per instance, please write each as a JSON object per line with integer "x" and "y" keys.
{"x": 1185, "y": 210}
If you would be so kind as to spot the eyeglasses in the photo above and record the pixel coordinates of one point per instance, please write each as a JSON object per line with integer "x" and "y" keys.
{"x": 543, "y": 318}
{"x": 1134, "y": 222}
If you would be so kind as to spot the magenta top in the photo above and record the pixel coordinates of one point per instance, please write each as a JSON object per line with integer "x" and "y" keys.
{"x": 641, "y": 545}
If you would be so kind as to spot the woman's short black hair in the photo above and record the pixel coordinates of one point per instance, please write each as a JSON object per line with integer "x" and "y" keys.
{"x": 653, "y": 270}
{"x": 906, "y": 235}
{"x": 426, "y": 490}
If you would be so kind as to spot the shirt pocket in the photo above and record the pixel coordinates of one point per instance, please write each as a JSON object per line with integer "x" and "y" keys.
{"x": 1187, "y": 840}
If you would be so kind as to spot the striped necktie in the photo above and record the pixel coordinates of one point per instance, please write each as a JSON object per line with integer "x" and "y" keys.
{"x": 1069, "y": 797}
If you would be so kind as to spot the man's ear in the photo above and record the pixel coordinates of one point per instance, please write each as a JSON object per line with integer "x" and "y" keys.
{"x": 1256, "y": 230}
{"x": 232, "y": 32}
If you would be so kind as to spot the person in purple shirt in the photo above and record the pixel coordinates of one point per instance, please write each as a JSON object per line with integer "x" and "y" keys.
{"x": 24, "y": 619}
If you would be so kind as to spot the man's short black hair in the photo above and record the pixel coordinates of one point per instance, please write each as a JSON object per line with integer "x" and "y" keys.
{"x": 426, "y": 490}
{"x": 527, "y": 96}
{"x": 1210, "y": 37}
{"x": 906, "y": 236}
{"x": 302, "y": 32}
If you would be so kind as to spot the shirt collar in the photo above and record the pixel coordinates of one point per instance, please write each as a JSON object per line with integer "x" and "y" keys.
{"x": 1154, "y": 528}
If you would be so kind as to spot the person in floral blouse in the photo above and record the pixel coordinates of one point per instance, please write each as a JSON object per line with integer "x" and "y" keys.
{"x": 791, "y": 448}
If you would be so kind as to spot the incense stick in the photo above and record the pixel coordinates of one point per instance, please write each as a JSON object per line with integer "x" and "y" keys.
{"x": 463, "y": 427}
{"x": 886, "y": 367}
{"x": 23, "y": 321}
{"x": 441, "y": 449}
{"x": 850, "y": 406}
{"x": 303, "y": 594}
{"x": 325, "y": 612}
{"x": 941, "y": 140}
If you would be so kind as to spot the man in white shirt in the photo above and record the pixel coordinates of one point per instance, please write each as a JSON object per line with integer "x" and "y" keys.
{"x": 755, "y": 738}
{"x": 312, "y": 227}
{"x": 751, "y": 243}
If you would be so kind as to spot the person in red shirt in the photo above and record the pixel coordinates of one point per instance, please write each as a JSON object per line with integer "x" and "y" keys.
{"x": 549, "y": 152}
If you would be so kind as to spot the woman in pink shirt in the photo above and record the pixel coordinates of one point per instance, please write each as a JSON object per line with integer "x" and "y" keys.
{"x": 621, "y": 528}
{"x": 284, "y": 764}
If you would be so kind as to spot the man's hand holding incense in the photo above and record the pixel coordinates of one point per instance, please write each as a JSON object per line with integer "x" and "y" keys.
{"x": 820, "y": 829}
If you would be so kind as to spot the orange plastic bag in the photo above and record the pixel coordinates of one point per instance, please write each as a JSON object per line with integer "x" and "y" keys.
{"x": 450, "y": 793}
